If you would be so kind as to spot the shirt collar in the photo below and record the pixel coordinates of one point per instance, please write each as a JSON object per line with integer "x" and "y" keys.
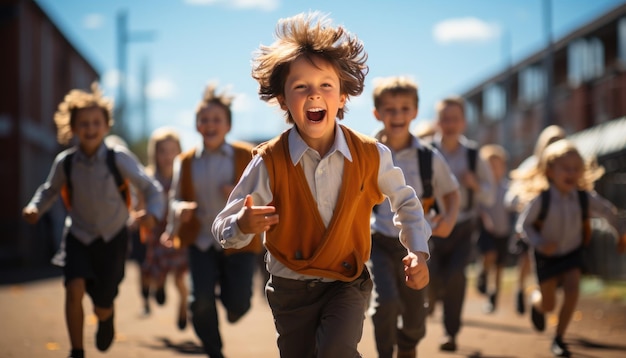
{"x": 437, "y": 137}
{"x": 224, "y": 149}
{"x": 415, "y": 143}
{"x": 99, "y": 155}
{"x": 297, "y": 145}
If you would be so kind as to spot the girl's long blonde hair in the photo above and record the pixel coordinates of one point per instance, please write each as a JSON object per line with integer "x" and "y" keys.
{"x": 536, "y": 179}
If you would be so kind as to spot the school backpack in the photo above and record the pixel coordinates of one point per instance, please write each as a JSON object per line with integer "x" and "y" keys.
{"x": 472, "y": 155}
{"x": 122, "y": 184}
{"x": 583, "y": 200}
{"x": 425, "y": 161}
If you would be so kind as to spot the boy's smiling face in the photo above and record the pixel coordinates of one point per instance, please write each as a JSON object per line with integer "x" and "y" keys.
{"x": 90, "y": 127}
{"x": 312, "y": 95}
{"x": 212, "y": 123}
{"x": 396, "y": 111}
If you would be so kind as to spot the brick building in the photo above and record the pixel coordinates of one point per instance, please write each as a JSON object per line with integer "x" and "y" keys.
{"x": 38, "y": 66}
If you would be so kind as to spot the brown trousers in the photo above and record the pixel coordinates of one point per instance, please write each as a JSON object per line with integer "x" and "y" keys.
{"x": 319, "y": 319}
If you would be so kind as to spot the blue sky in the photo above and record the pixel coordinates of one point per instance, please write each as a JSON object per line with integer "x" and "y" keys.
{"x": 447, "y": 46}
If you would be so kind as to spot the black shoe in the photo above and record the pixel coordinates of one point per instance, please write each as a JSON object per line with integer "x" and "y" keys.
{"x": 490, "y": 306}
{"x": 105, "y": 334}
{"x": 233, "y": 317}
{"x": 521, "y": 307}
{"x": 481, "y": 283}
{"x": 77, "y": 353}
{"x": 159, "y": 296}
{"x": 559, "y": 348}
{"x": 538, "y": 319}
{"x": 448, "y": 345}
{"x": 146, "y": 308}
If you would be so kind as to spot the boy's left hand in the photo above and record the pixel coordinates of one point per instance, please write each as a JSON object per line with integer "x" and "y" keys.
{"x": 416, "y": 270}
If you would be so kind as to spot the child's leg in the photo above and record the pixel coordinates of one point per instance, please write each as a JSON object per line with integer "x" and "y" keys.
{"x": 74, "y": 314}
{"x": 489, "y": 260}
{"x": 548, "y": 295}
{"x": 571, "y": 285}
{"x": 181, "y": 286}
{"x": 523, "y": 270}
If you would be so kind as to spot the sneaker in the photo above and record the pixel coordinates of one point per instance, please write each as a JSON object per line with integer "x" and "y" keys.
{"x": 159, "y": 295}
{"x": 481, "y": 283}
{"x": 233, "y": 317}
{"x": 77, "y": 353}
{"x": 105, "y": 334}
{"x": 538, "y": 319}
{"x": 490, "y": 306}
{"x": 448, "y": 344}
{"x": 182, "y": 318}
{"x": 559, "y": 348}
{"x": 520, "y": 306}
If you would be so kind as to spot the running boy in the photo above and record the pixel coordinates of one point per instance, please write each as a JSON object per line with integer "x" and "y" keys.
{"x": 312, "y": 189}
{"x": 97, "y": 238}
{"x": 203, "y": 180}
{"x": 556, "y": 225}
{"x": 396, "y": 106}
{"x": 447, "y": 267}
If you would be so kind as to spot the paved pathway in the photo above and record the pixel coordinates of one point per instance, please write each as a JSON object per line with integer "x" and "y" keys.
{"x": 32, "y": 325}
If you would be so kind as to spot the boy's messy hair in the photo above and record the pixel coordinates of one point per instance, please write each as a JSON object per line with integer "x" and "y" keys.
{"x": 489, "y": 151}
{"x": 536, "y": 179}
{"x": 211, "y": 96}
{"x": 159, "y": 135}
{"x": 451, "y": 101}
{"x": 394, "y": 85}
{"x": 77, "y": 99}
{"x": 310, "y": 35}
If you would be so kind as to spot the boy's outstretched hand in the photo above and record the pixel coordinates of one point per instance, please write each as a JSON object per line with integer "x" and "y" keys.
{"x": 256, "y": 219}
{"x": 416, "y": 270}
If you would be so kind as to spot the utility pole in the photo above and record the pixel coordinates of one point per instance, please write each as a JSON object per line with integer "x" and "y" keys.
{"x": 548, "y": 63}
{"x": 124, "y": 37}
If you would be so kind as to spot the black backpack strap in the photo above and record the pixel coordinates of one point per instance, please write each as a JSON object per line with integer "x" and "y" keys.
{"x": 67, "y": 169}
{"x": 472, "y": 154}
{"x": 425, "y": 160}
{"x": 543, "y": 211}
{"x": 119, "y": 180}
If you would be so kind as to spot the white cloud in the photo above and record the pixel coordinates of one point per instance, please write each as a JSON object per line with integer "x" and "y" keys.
{"x": 93, "y": 21}
{"x": 161, "y": 88}
{"x": 266, "y": 5}
{"x": 242, "y": 103}
{"x": 467, "y": 29}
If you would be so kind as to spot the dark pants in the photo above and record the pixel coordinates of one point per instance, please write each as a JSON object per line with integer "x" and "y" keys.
{"x": 448, "y": 258}
{"x": 394, "y": 299}
{"x": 319, "y": 319}
{"x": 100, "y": 263}
{"x": 232, "y": 276}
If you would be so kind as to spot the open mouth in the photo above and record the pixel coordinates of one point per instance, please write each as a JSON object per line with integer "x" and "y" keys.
{"x": 315, "y": 114}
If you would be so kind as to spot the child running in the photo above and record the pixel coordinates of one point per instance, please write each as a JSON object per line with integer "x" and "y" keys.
{"x": 496, "y": 226}
{"x": 96, "y": 244}
{"x": 311, "y": 190}
{"x": 396, "y": 106}
{"x": 163, "y": 147}
{"x": 556, "y": 225}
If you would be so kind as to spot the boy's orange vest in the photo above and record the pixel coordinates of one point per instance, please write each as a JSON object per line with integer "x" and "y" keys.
{"x": 188, "y": 232}
{"x": 300, "y": 241}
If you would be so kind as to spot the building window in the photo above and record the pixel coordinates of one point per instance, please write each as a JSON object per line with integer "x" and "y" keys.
{"x": 621, "y": 39}
{"x": 585, "y": 60}
{"x": 532, "y": 84}
{"x": 494, "y": 100}
{"x": 471, "y": 113}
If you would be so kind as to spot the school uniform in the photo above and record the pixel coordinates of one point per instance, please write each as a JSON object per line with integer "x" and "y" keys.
{"x": 450, "y": 255}
{"x": 392, "y": 297}
{"x": 563, "y": 226}
{"x": 96, "y": 244}
{"x": 209, "y": 266}
{"x": 496, "y": 237}
{"x": 318, "y": 292}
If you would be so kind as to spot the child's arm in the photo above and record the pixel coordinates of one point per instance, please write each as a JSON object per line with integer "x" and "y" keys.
{"x": 47, "y": 193}
{"x": 150, "y": 189}
{"x": 443, "y": 224}
{"x": 601, "y": 207}
{"x": 525, "y": 226}
{"x": 245, "y": 212}
{"x": 416, "y": 270}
